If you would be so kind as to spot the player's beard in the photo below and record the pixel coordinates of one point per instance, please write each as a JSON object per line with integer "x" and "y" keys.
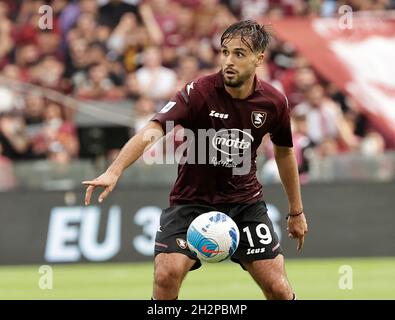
{"x": 236, "y": 81}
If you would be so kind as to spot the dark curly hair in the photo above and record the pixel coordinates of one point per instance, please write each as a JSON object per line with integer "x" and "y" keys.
{"x": 252, "y": 34}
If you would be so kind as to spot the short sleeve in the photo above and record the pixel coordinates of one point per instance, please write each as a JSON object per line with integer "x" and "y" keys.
{"x": 178, "y": 111}
{"x": 281, "y": 134}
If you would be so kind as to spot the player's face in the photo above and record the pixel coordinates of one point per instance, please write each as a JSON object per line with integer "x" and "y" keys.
{"x": 238, "y": 62}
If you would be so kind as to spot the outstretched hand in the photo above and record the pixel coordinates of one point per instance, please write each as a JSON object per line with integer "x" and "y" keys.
{"x": 297, "y": 228}
{"x": 107, "y": 181}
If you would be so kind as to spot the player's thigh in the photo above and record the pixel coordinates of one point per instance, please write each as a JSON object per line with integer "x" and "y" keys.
{"x": 174, "y": 223}
{"x": 172, "y": 266}
{"x": 269, "y": 273}
{"x": 258, "y": 240}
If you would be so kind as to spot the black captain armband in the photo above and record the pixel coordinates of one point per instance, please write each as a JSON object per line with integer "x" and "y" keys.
{"x": 294, "y": 214}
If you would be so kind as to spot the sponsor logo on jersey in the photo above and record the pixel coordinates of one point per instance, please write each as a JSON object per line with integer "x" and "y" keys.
{"x": 258, "y": 118}
{"x": 232, "y": 141}
{"x": 182, "y": 243}
{"x": 216, "y": 114}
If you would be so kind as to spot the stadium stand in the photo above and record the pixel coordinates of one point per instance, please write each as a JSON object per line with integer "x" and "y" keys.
{"x": 78, "y": 91}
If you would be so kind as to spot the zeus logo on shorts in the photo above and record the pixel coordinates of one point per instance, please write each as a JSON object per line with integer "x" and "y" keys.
{"x": 255, "y": 251}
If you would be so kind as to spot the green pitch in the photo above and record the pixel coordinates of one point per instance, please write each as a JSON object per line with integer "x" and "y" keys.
{"x": 372, "y": 278}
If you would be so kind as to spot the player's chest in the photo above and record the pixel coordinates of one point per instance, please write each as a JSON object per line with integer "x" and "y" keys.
{"x": 242, "y": 115}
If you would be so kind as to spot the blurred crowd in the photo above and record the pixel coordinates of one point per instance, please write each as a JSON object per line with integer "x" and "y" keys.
{"x": 144, "y": 51}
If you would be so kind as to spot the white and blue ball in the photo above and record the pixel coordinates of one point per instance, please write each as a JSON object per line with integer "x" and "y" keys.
{"x": 213, "y": 236}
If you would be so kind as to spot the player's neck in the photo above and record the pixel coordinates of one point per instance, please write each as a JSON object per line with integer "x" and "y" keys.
{"x": 243, "y": 91}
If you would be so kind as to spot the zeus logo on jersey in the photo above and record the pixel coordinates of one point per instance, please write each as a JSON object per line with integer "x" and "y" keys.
{"x": 189, "y": 87}
{"x": 215, "y": 114}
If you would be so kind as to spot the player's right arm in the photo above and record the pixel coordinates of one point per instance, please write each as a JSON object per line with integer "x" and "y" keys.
{"x": 130, "y": 152}
{"x": 178, "y": 111}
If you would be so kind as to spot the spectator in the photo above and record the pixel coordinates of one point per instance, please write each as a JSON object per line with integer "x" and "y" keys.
{"x": 89, "y": 6}
{"x": 252, "y": 9}
{"x": 77, "y": 60}
{"x": 6, "y": 43}
{"x": 48, "y": 43}
{"x": 12, "y": 71}
{"x": 124, "y": 34}
{"x": 7, "y": 178}
{"x": 57, "y": 139}
{"x": 211, "y": 20}
{"x": 296, "y": 76}
{"x": 48, "y": 73}
{"x": 71, "y": 14}
{"x": 205, "y": 54}
{"x": 127, "y": 40}
{"x": 372, "y": 144}
{"x": 7, "y": 99}
{"x": 324, "y": 119}
{"x": 26, "y": 56}
{"x": 143, "y": 111}
{"x": 99, "y": 85}
{"x": 187, "y": 70}
{"x": 264, "y": 74}
{"x": 96, "y": 53}
{"x": 13, "y": 136}
{"x": 85, "y": 28}
{"x": 303, "y": 145}
{"x": 26, "y": 27}
{"x": 112, "y": 12}
{"x": 155, "y": 81}
{"x": 34, "y": 114}
{"x": 132, "y": 87}
{"x": 160, "y": 19}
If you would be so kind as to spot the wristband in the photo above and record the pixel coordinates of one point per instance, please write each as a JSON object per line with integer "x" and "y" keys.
{"x": 294, "y": 215}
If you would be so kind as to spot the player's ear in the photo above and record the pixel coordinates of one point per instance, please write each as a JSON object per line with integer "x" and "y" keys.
{"x": 259, "y": 59}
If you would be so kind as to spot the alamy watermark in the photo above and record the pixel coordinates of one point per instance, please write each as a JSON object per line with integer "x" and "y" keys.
{"x": 346, "y": 17}
{"x": 228, "y": 148}
{"x": 46, "y": 19}
{"x": 45, "y": 281}
{"x": 346, "y": 277}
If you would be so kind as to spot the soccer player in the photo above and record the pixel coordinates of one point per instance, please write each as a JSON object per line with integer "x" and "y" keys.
{"x": 241, "y": 109}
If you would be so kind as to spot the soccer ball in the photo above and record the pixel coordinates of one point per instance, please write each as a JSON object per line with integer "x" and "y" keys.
{"x": 213, "y": 236}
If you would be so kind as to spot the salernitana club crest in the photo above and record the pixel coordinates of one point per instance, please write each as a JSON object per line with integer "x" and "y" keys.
{"x": 182, "y": 243}
{"x": 258, "y": 118}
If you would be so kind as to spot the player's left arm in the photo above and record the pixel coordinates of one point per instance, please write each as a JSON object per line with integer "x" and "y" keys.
{"x": 288, "y": 170}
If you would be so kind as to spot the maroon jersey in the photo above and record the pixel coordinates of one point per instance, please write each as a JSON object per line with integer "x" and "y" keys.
{"x": 240, "y": 125}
